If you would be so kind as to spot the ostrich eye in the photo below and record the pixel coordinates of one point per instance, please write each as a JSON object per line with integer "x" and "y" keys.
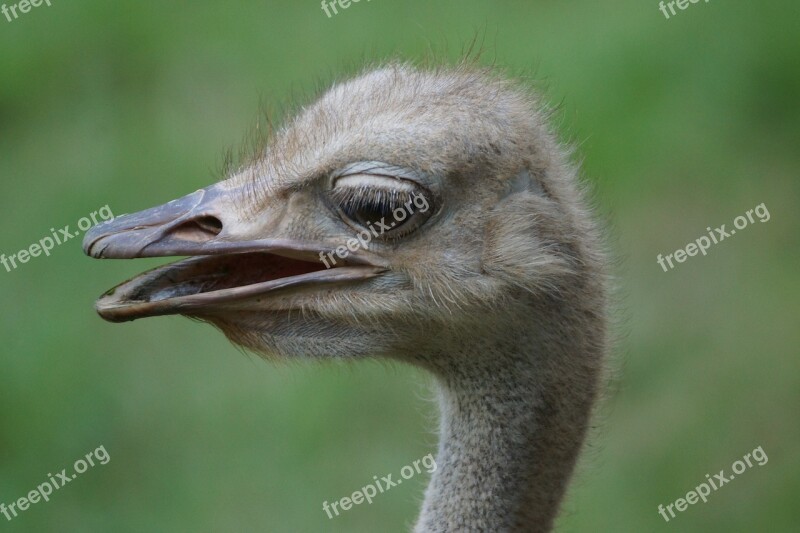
{"x": 391, "y": 207}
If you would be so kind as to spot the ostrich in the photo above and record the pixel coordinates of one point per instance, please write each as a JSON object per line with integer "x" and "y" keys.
{"x": 498, "y": 288}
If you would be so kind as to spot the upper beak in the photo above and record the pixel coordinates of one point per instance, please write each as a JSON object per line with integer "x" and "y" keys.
{"x": 199, "y": 224}
{"x": 152, "y": 232}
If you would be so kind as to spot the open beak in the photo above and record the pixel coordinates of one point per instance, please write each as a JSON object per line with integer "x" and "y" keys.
{"x": 224, "y": 269}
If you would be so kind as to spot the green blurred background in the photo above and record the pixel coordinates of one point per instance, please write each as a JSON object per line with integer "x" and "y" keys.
{"x": 682, "y": 124}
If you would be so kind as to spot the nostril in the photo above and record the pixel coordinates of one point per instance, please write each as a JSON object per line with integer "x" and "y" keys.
{"x": 210, "y": 224}
{"x": 198, "y": 230}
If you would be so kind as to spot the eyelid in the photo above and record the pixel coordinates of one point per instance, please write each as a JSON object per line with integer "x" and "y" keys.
{"x": 378, "y": 168}
{"x": 358, "y": 181}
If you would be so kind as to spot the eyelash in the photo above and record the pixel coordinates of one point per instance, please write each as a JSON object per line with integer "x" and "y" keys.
{"x": 368, "y": 197}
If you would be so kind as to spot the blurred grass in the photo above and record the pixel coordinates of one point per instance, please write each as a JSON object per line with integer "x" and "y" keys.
{"x": 682, "y": 124}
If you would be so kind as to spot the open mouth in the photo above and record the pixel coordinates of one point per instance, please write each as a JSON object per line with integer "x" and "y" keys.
{"x": 222, "y": 271}
{"x": 198, "y": 284}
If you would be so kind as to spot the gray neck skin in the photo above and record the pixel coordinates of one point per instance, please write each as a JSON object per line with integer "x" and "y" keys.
{"x": 514, "y": 412}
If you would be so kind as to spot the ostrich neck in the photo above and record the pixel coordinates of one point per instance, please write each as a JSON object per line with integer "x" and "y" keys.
{"x": 513, "y": 418}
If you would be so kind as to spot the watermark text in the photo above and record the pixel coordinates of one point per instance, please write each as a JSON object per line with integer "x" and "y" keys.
{"x": 54, "y": 483}
{"x": 702, "y": 244}
{"x": 46, "y": 244}
{"x": 703, "y": 490}
{"x": 369, "y": 491}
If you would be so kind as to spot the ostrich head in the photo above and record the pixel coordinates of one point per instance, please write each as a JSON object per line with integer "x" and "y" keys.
{"x": 427, "y": 216}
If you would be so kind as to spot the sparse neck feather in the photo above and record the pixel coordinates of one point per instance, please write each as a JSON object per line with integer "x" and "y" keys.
{"x": 514, "y": 413}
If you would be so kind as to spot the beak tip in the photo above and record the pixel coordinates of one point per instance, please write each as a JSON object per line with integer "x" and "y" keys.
{"x": 109, "y": 309}
{"x": 92, "y": 237}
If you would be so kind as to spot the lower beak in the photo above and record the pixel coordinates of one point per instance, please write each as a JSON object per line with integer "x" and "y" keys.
{"x": 225, "y": 269}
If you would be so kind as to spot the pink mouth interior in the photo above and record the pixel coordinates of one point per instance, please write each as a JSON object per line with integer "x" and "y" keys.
{"x": 213, "y": 273}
